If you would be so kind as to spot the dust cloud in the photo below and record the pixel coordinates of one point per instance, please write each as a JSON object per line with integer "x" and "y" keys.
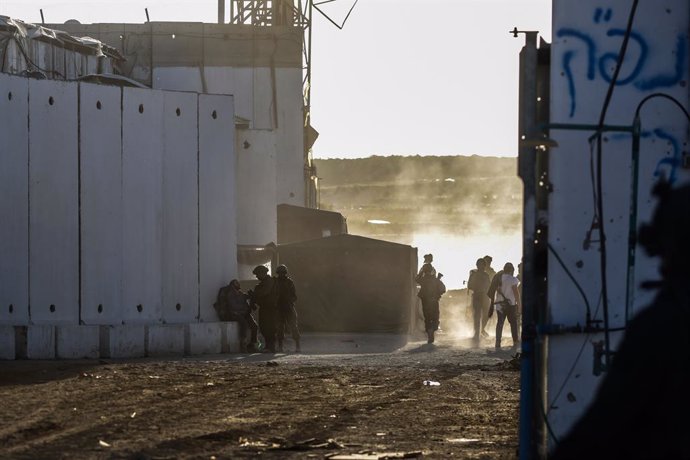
{"x": 458, "y": 208}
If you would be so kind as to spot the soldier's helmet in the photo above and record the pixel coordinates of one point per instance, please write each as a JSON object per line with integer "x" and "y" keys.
{"x": 281, "y": 270}
{"x": 260, "y": 269}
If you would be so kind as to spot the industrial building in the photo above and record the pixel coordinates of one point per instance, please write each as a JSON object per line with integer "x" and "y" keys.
{"x": 141, "y": 163}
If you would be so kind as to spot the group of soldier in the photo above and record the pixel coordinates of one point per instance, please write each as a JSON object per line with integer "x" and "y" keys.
{"x": 495, "y": 291}
{"x": 274, "y": 298}
{"x": 491, "y": 291}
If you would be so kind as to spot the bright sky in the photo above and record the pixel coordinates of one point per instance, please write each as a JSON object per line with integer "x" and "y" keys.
{"x": 427, "y": 77}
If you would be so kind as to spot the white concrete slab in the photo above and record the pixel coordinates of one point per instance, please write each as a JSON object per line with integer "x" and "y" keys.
{"x": 290, "y": 138}
{"x": 101, "y": 204}
{"x": 165, "y": 340}
{"x": 203, "y": 338}
{"x": 236, "y": 81}
{"x": 14, "y": 200}
{"x": 142, "y": 153}
{"x": 180, "y": 209}
{"x": 8, "y": 344}
{"x": 257, "y": 222}
{"x": 178, "y": 79}
{"x": 217, "y": 200}
{"x": 54, "y": 219}
{"x": 230, "y": 337}
{"x": 40, "y": 342}
{"x": 124, "y": 341}
{"x": 77, "y": 342}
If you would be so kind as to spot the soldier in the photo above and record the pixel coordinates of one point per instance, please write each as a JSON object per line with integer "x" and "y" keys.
{"x": 430, "y": 292}
{"x": 428, "y": 259}
{"x": 489, "y": 269}
{"x": 265, "y": 295}
{"x": 287, "y": 315}
{"x": 478, "y": 283}
{"x": 237, "y": 308}
{"x": 507, "y": 303}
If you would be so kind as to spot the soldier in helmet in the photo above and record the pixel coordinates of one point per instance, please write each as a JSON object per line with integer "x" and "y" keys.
{"x": 430, "y": 291}
{"x": 265, "y": 295}
{"x": 287, "y": 315}
{"x": 233, "y": 305}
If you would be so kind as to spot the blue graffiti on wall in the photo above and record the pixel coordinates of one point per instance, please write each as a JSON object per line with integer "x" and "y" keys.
{"x": 667, "y": 166}
{"x": 600, "y": 61}
{"x": 672, "y": 162}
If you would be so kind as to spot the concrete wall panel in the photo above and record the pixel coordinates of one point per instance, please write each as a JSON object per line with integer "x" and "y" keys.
{"x": 14, "y": 200}
{"x": 180, "y": 208}
{"x": 54, "y": 220}
{"x": 256, "y": 187}
{"x": 101, "y": 204}
{"x": 264, "y": 86}
{"x": 77, "y": 342}
{"x": 203, "y": 338}
{"x": 40, "y": 342}
{"x": 586, "y": 40}
{"x": 217, "y": 199}
{"x": 125, "y": 341}
{"x": 178, "y": 79}
{"x": 7, "y": 342}
{"x": 290, "y": 138}
{"x": 142, "y": 155}
{"x": 167, "y": 340}
{"x": 236, "y": 81}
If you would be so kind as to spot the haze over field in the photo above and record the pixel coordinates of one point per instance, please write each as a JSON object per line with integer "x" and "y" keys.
{"x": 458, "y": 208}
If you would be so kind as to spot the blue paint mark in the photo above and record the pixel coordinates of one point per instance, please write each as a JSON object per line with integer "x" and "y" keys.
{"x": 591, "y": 48}
{"x": 597, "y": 15}
{"x": 608, "y": 15}
{"x": 567, "y": 57}
{"x": 672, "y": 162}
{"x": 665, "y": 81}
{"x": 614, "y": 57}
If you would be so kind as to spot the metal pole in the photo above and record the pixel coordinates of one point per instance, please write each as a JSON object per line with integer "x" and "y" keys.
{"x": 632, "y": 228}
{"x": 221, "y": 11}
{"x": 528, "y": 129}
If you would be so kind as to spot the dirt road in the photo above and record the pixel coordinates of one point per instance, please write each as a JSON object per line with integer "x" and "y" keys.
{"x": 344, "y": 395}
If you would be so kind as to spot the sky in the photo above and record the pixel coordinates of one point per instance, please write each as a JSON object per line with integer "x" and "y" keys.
{"x": 402, "y": 77}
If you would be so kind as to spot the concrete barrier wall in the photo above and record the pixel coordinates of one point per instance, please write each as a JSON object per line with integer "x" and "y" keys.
{"x": 256, "y": 187}
{"x": 142, "y": 201}
{"x": 180, "y": 208}
{"x": 115, "y": 203}
{"x": 53, "y": 202}
{"x": 14, "y": 201}
{"x": 101, "y": 204}
{"x": 217, "y": 200}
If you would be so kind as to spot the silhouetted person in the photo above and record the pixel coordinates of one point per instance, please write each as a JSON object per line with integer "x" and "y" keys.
{"x": 507, "y": 303}
{"x": 478, "y": 283}
{"x": 239, "y": 310}
{"x": 641, "y": 408}
{"x": 428, "y": 259}
{"x": 287, "y": 315}
{"x": 430, "y": 292}
{"x": 265, "y": 295}
{"x": 489, "y": 269}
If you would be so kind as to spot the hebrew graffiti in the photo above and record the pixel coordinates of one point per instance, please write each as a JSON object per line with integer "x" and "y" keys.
{"x": 601, "y": 54}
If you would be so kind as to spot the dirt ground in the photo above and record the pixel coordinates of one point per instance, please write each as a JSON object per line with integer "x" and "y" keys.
{"x": 344, "y": 397}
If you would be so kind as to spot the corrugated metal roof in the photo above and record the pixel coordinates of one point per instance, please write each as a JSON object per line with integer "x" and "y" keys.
{"x": 17, "y": 29}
